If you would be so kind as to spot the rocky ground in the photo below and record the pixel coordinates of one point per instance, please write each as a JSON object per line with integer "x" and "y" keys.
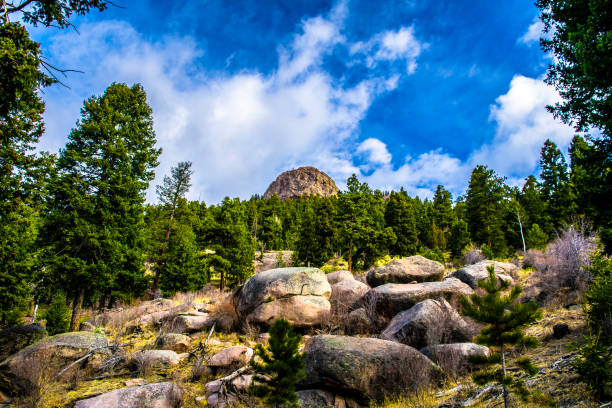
{"x": 397, "y": 341}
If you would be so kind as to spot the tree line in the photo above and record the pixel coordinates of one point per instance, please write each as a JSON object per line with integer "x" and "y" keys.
{"x": 78, "y": 222}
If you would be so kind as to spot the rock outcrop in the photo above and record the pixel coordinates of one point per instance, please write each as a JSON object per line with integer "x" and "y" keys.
{"x": 157, "y": 395}
{"x": 301, "y": 181}
{"x": 49, "y": 355}
{"x": 299, "y": 295}
{"x": 347, "y": 293}
{"x": 13, "y": 339}
{"x": 392, "y": 298}
{"x": 231, "y": 358}
{"x": 335, "y": 277}
{"x": 471, "y": 274}
{"x": 365, "y": 368}
{"x": 406, "y": 270}
{"x": 427, "y": 322}
{"x": 173, "y": 341}
{"x": 454, "y": 358}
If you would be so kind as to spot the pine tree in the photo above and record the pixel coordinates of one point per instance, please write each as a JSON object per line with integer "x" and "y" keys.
{"x": 399, "y": 216}
{"x": 442, "y": 210}
{"x": 536, "y": 238}
{"x": 95, "y": 226}
{"x": 459, "y": 237}
{"x": 169, "y": 193}
{"x": 22, "y": 173}
{"x": 57, "y": 316}
{"x": 556, "y": 188}
{"x": 485, "y": 203}
{"x": 534, "y": 205}
{"x": 281, "y": 367}
{"x": 505, "y": 320}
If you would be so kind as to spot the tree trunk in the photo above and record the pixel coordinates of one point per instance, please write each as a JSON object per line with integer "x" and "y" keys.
{"x": 164, "y": 249}
{"x": 521, "y": 228}
{"x": 350, "y": 260}
{"x": 505, "y": 391}
{"x": 76, "y": 310}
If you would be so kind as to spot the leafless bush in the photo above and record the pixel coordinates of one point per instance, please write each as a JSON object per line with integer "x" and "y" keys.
{"x": 472, "y": 256}
{"x": 224, "y": 312}
{"x": 566, "y": 260}
{"x": 184, "y": 298}
{"x": 144, "y": 364}
{"x": 534, "y": 258}
{"x": 370, "y": 303}
{"x": 175, "y": 396}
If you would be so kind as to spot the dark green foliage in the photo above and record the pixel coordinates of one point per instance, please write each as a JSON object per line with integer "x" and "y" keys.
{"x": 173, "y": 189}
{"x": 505, "y": 320}
{"x": 459, "y": 237}
{"x": 280, "y": 368}
{"x": 399, "y": 216}
{"x": 533, "y": 203}
{"x": 228, "y": 236}
{"x": 555, "y": 186}
{"x": 435, "y": 254}
{"x": 363, "y": 235}
{"x": 55, "y": 13}
{"x": 591, "y": 179}
{"x": 442, "y": 216}
{"x": 22, "y": 173}
{"x": 581, "y": 42}
{"x": 485, "y": 204}
{"x": 184, "y": 268}
{"x": 594, "y": 363}
{"x": 536, "y": 238}
{"x": 317, "y": 232}
{"x": 95, "y": 225}
{"x": 57, "y": 316}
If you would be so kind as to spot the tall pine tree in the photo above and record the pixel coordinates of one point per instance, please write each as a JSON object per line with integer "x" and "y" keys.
{"x": 22, "y": 173}
{"x": 95, "y": 226}
{"x": 399, "y": 216}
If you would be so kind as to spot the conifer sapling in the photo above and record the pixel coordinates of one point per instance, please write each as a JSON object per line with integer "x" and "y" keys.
{"x": 505, "y": 320}
{"x": 279, "y": 368}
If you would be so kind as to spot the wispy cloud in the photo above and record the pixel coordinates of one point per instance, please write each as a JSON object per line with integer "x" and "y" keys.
{"x": 533, "y": 33}
{"x": 238, "y": 130}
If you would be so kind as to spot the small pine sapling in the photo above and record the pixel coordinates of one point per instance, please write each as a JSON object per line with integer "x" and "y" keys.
{"x": 279, "y": 368}
{"x": 505, "y": 320}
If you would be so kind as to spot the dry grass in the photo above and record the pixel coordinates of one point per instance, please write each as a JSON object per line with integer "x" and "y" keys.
{"x": 224, "y": 312}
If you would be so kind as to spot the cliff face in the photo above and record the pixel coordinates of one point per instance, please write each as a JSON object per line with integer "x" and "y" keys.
{"x": 302, "y": 181}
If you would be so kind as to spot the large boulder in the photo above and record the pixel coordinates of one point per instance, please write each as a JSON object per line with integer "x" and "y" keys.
{"x": 20, "y": 371}
{"x": 347, "y": 293}
{"x": 338, "y": 276}
{"x": 406, "y": 270}
{"x": 13, "y": 339}
{"x": 300, "y": 311}
{"x": 231, "y": 358}
{"x": 299, "y": 295}
{"x": 392, "y": 298}
{"x": 471, "y": 274}
{"x": 454, "y": 358}
{"x": 179, "y": 343}
{"x": 157, "y": 395}
{"x": 357, "y": 322}
{"x": 366, "y": 368}
{"x": 427, "y": 322}
{"x": 156, "y": 358}
{"x": 193, "y": 322}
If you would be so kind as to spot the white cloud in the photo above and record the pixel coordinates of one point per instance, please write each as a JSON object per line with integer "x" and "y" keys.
{"x": 239, "y": 130}
{"x": 534, "y": 32}
{"x": 375, "y": 150}
{"x": 391, "y": 46}
{"x": 522, "y": 125}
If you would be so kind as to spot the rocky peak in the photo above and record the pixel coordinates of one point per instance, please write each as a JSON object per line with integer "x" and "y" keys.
{"x": 302, "y": 181}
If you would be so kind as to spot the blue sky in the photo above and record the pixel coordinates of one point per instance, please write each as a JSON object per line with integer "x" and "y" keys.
{"x": 404, "y": 93}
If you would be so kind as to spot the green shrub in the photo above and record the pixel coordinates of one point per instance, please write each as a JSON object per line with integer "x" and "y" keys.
{"x": 279, "y": 368}
{"x": 487, "y": 252}
{"x": 435, "y": 254}
{"x": 594, "y": 362}
{"x": 57, "y": 316}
